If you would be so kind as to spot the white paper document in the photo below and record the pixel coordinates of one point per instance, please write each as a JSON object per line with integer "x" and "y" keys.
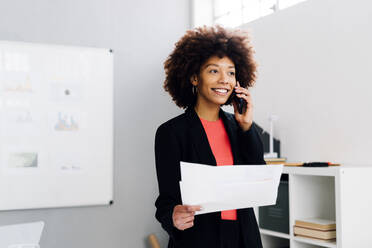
{"x": 218, "y": 188}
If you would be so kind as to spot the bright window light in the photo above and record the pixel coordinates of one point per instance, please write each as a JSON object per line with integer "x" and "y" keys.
{"x": 233, "y": 13}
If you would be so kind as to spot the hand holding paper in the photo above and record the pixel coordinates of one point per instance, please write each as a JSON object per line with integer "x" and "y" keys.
{"x": 183, "y": 216}
{"x": 218, "y": 188}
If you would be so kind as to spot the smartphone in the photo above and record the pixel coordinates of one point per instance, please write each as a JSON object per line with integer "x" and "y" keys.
{"x": 240, "y": 103}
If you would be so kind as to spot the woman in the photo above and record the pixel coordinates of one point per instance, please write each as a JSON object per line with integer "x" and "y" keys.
{"x": 207, "y": 65}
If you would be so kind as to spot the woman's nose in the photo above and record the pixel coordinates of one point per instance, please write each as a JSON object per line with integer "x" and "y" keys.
{"x": 224, "y": 78}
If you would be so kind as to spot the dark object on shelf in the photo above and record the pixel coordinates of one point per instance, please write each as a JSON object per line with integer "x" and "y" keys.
{"x": 265, "y": 137}
{"x": 316, "y": 164}
{"x": 276, "y": 217}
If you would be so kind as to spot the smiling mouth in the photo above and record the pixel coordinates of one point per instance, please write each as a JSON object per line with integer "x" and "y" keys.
{"x": 220, "y": 91}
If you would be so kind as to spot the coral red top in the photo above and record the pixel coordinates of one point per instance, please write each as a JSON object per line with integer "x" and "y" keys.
{"x": 221, "y": 149}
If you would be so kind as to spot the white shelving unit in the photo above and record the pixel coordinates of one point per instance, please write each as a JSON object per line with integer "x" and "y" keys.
{"x": 342, "y": 193}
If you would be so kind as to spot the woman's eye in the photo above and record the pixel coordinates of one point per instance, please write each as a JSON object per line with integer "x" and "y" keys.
{"x": 232, "y": 73}
{"x": 213, "y": 71}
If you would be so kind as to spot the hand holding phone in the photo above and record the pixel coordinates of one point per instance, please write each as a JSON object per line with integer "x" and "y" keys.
{"x": 240, "y": 103}
{"x": 242, "y": 107}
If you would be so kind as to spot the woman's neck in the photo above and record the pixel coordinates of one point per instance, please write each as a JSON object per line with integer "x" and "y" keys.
{"x": 209, "y": 112}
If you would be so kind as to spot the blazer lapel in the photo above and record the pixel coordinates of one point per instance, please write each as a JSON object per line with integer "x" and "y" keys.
{"x": 199, "y": 138}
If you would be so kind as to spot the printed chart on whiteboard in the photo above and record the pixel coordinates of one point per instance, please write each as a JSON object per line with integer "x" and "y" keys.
{"x": 56, "y": 126}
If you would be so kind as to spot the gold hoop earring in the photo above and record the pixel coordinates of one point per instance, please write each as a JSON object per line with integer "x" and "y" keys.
{"x": 194, "y": 90}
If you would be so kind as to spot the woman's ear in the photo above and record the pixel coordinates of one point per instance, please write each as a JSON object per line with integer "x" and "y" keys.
{"x": 194, "y": 80}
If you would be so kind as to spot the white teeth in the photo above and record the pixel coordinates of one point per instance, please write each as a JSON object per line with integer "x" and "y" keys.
{"x": 221, "y": 90}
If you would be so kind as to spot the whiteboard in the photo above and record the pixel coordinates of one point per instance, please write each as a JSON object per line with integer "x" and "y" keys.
{"x": 56, "y": 126}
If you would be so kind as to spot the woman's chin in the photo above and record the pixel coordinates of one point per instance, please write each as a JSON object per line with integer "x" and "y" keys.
{"x": 220, "y": 102}
{"x": 217, "y": 101}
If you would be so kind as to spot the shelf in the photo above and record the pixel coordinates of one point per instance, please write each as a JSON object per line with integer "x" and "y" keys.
{"x": 318, "y": 202}
{"x": 331, "y": 244}
{"x": 273, "y": 233}
{"x": 327, "y": 193}
{"x": 313, "y": 171}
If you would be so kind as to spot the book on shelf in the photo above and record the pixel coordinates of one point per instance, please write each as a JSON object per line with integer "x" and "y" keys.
{"x": 293, "y": 164}
{"x": 312, "y": 233}
{"x": 316, "y": 223}
{"x": 275, "y": 160}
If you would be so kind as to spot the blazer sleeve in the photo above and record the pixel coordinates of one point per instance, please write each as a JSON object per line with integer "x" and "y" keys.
{"x": 167, "y": 159}
{"x": 252, "y": 146}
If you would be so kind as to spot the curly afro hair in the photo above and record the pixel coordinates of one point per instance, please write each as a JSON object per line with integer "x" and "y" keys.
{"x": 195, "y": 48}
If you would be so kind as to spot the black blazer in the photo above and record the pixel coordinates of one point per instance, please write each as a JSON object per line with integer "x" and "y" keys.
{"x": 183, "y": 139}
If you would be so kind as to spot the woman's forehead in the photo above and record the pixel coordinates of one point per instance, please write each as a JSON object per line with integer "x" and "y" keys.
{"x": 217, "y": 61}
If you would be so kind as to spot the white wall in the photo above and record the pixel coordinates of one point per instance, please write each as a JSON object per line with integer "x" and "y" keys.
{"x": 142, "y": 33}
{"x": 315, "y": 63}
